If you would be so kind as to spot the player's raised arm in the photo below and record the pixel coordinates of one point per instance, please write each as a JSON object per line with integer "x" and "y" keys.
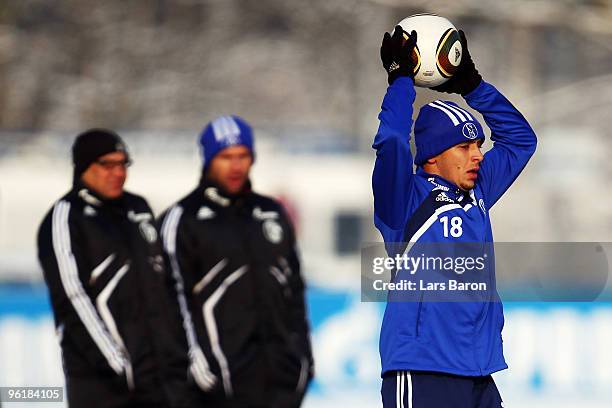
{"x": 392, "y": 180}
{"x": 514, "y": 142}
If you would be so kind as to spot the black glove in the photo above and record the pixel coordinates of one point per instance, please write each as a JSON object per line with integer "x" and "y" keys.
{"x": 467, "y": 78}
{"x": 396, "y": 54}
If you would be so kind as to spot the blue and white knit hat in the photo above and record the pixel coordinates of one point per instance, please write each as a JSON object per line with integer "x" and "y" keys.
{"x": 440, "y": 126}
{"x": 223, "y": 132}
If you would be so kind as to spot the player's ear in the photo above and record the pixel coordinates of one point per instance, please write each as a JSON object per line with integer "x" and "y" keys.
{"x": 433, "y": 160}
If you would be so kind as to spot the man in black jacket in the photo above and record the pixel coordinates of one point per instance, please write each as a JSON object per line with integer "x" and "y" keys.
{"x": 233, "y": 255}
{"x": 119, "y": 328}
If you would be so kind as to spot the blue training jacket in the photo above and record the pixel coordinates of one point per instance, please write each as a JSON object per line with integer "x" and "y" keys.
{"x": 462, "y": 338}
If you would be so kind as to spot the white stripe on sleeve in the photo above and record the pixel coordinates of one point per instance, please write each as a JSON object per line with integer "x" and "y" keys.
{"x": 74, "y": 289}
{"x": 199, "y": 365}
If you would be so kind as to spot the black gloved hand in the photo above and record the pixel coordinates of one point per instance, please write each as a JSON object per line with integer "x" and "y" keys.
{"x": 467, "y": 78}
{"x": 396, "y": 54}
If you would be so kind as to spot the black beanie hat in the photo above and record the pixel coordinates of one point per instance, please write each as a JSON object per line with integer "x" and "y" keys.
{"x": 93, "y": 143}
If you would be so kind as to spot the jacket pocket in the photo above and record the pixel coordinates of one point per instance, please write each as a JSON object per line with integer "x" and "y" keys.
{"x": 419, "y": 316}
{"x": 407, "y": 319}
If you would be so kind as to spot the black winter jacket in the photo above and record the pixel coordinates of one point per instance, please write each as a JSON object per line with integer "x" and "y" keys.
{"x": 238, "y": 274}
{"x": 112, "y": 298}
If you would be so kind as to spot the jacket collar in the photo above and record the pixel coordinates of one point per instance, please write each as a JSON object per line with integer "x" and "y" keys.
{"x": 92, "y": 198}
{"x": 215, "y": 193}
{"x": 440, "y": 183}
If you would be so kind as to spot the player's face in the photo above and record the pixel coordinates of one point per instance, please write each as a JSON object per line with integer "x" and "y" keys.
{"x": 106, "y": 176}
{"x": 460, "y": 164}
{"x": 230, "y": 168}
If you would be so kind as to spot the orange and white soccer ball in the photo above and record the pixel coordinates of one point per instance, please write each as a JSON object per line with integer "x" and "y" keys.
{"x": 438, "y": 50}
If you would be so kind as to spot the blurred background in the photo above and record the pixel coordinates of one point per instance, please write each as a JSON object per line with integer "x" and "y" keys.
{"x": 307, "y": 75}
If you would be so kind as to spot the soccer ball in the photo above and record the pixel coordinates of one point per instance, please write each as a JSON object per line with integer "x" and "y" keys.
{"x": 438, "y": 49}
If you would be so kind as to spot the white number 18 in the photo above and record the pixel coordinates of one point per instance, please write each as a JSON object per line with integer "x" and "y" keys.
{"x": 455, "y": 226}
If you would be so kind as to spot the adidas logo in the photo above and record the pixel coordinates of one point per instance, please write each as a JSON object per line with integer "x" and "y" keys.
{"x": 205, "y": 213}
{"x": 443, "y": 197}
{"x": 394, "y": 65}
{"x": 90, "y": 211}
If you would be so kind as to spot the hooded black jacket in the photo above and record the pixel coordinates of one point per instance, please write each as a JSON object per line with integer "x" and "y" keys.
{"x": 237, "y": 270}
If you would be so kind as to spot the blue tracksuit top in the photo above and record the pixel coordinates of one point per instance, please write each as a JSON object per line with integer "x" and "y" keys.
{"x": 462, "y": 338}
